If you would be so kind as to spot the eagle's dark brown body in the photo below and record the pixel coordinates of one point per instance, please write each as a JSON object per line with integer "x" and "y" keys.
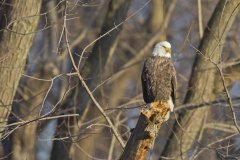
{"x": 158, "y": 79}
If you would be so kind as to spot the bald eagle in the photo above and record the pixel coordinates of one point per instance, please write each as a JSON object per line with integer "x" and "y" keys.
{"x": 159, "y": 76}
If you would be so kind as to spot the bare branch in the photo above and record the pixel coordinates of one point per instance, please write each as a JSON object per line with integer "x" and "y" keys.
{"x": 85, "y": 85}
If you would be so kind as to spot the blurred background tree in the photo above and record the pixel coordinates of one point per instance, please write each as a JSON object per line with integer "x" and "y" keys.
{"x": 45, "y": 111}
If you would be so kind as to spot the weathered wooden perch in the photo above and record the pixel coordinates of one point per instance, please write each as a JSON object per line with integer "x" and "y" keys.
{"x": 145, "y": 132}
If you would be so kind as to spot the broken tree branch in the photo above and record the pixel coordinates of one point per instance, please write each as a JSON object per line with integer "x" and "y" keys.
{"x": 146, "y": 131}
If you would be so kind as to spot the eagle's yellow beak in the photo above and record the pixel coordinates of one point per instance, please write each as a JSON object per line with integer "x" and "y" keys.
{"x": 168, "y": 50}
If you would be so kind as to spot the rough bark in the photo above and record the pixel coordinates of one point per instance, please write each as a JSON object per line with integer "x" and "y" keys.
{"x": 145, "y": 132}
{"x": 14, "y": 47}
{"x": 94, "y": 66}
{"x": 202, "y": 79}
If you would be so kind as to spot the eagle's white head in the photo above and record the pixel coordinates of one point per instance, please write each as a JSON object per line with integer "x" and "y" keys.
{"x": 162, "y": 49}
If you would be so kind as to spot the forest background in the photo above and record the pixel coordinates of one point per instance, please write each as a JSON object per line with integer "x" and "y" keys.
{"x": 70, "y": 77}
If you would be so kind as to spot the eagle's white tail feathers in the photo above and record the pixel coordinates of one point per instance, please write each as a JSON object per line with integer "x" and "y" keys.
{"x": 170, "y": 103}
{"x": 171, "y": 106}
{"x": 167, "y": 116}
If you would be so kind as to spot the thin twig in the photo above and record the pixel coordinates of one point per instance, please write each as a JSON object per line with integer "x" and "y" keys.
{"x": 42, "y": 118}
{"x": 188, "y": 106}
{"x": 20, "y": 124}
{"x": 46, "y": 96}
{"x": 202, "y": 104}
{"x": 213, "y": 143}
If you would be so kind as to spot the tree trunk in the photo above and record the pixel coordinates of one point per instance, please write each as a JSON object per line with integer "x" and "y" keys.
{"x": 15, "y": 44}
{"x": 202, "y": 80}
